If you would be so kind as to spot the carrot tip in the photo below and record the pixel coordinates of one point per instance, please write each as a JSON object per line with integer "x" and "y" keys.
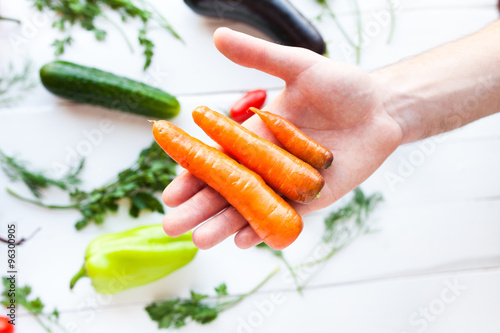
{"x": 152, "y": 121}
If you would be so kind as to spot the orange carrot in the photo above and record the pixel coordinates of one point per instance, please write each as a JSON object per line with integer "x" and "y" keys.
{"x": 272, "y": 218}
{"x": 284, "y": 172}
{"x": 296, "y": 141}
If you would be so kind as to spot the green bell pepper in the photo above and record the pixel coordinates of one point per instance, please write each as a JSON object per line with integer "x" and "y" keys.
{"x": 119, "y": 261}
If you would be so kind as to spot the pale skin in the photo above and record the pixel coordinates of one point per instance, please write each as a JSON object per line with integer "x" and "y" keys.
{"x": 361, "y": 117}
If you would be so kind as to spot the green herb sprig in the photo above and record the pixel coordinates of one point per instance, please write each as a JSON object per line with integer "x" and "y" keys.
{"x": 279, "y": 254}
{"x": 15, "y": 83}
{"x": 34, "y": 306}
{"x": 2, "y": 18}
{"x": 37, "y": 180}
{"x": 342, "y": 227}
{"x": 359, "y": 30}
{"x": 326, "y": 9}
{"x": 85, "y": 12}
{"x": 152, "y": 172}
{"x": 392, "y": 12}
{"x": 347, "y": 223}
{"x": 203, "y": 309}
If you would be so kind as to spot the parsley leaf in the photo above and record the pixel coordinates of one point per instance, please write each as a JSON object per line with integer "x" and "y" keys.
{"x": 148, "y": 46}
{"x": 37, "y": 180}
{"x": 221, "y": 290}
{"x": 60, "y": 44}
{"x": 85, "y": 13}
{"x": 203, "y": 309}
{"x": 152, "y": 172}
{"x": 21, "y": 296}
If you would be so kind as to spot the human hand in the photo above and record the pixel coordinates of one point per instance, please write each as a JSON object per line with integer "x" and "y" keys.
{"x": 338, "y": 105}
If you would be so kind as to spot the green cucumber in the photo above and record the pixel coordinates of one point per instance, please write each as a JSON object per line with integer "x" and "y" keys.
{"x": 90, "y": 85}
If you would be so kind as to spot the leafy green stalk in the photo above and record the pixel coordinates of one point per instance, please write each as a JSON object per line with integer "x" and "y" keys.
{"x": 287, "y": 264}
{"x": 34, "y": 305}
{"x": 346, "y": 224}
{"x": 200, "y": 308}
{"x": 393, "y": 20}
{"x": 2, "y": 18}
{"x": 85, "y": 12}
{"x": 148, "y": 46}
{"x": 38, "y": 202}
{"x": 326, "y": 9}
{"x": 38, "y": 180}
{"x": 359, "y": 27}
{"x": 60, "y": 45}
{"x": 120, "y": 30}
{"x": 342, "y": 227}
{"x": 15, "y": 83}
{"x": 152, "y": 172}
{"x": 161, "y": 19}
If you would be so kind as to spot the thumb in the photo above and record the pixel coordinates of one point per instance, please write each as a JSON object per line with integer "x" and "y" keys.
{"x": 285, "y": 62}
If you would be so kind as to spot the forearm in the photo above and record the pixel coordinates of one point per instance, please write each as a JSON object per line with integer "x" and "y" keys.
{"x": 445, "y": 88}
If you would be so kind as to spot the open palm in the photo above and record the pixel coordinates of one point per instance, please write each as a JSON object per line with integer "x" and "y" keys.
{"x": 339, "y": 106}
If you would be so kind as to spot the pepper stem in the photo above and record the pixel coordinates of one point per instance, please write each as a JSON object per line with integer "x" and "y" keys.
{"x": 81, "y": 273}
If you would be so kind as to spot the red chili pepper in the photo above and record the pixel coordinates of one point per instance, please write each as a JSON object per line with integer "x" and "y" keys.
{"x": 255, "y": 98}
{"x": 5, "y": 326}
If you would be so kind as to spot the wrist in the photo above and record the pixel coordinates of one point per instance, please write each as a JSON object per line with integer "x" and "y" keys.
{"x": 445, "y": 88}
{"x": 397, "y": 101}
{"x": 425, "y": 103}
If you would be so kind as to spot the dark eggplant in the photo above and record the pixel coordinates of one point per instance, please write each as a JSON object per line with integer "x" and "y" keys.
{"x": 276, "y": 18}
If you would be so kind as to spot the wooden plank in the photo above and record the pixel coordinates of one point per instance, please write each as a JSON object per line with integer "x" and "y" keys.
{"x": 458, "y": 303}
{"x": 409, "y": 238}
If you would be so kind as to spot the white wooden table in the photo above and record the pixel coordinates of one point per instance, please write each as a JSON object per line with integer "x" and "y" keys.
{"x": 433, "y": 265}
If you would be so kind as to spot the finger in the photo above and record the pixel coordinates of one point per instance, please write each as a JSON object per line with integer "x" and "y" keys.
{"x": 246, "y": 238}
{"x": 202, "y": 206}
{"x": 219, "y": 228}
{"x": 282, "y": 61}
{"x": 183, "y": 187}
